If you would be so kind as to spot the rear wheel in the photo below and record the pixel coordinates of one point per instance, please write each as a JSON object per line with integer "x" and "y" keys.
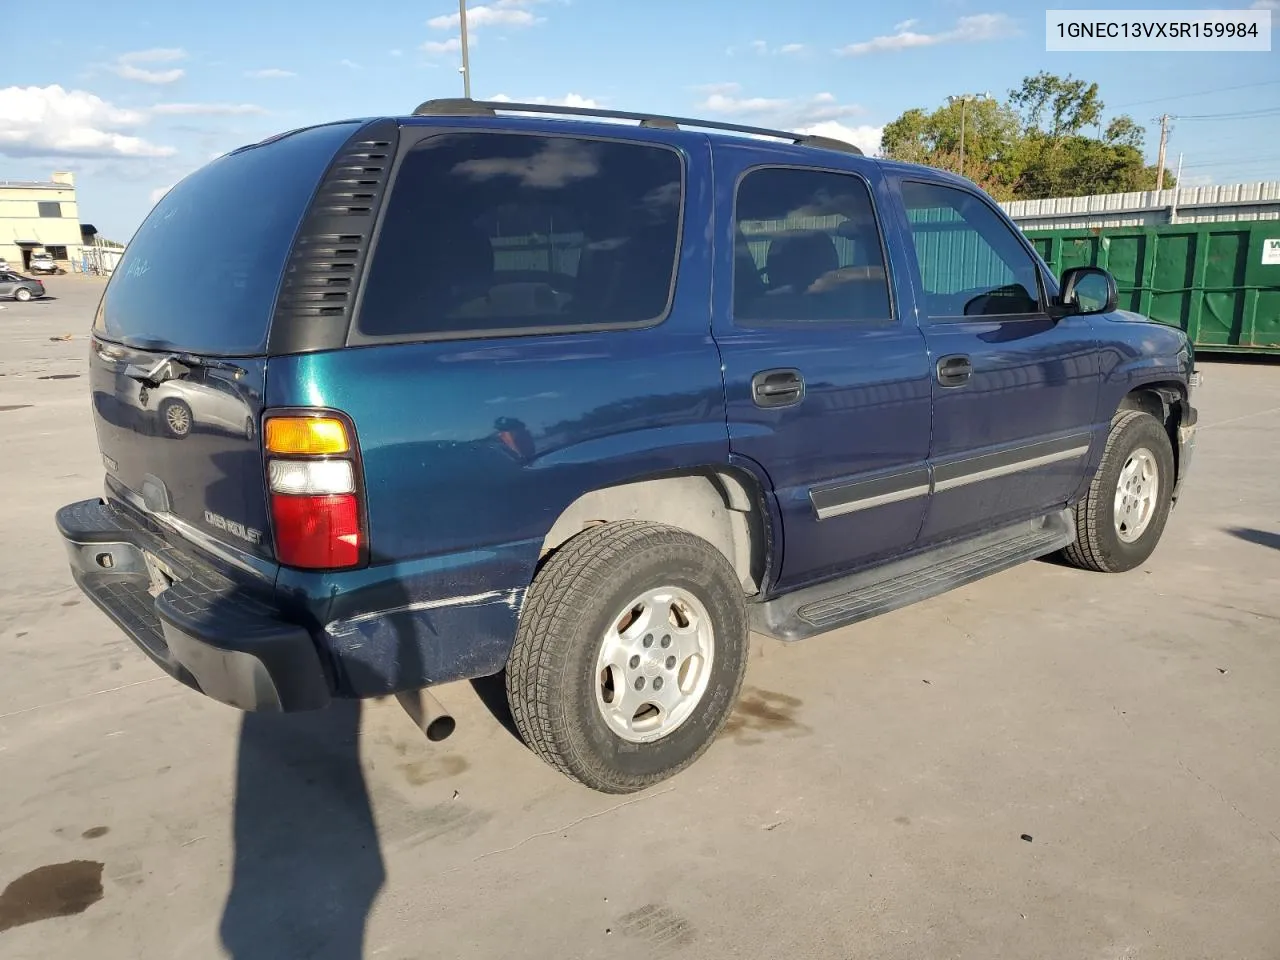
{"x": 629, "y": 656}
{"x": 22, "y": 294}
{"x": 1121, "y": 519}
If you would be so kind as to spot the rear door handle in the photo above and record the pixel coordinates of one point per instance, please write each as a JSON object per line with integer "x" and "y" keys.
{"x": 777, "y": 388}
{"x": 954, "y": 371}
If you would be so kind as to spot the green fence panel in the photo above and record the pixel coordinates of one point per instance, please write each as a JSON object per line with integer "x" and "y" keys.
{"x": 1218, "y": 281}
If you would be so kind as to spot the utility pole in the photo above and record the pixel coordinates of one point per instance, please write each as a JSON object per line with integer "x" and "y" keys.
{"x": 1173, "y": 203}
{"x": 466, "y": 56}
{"x": 1164, "y": 143}
{"x": 965, "y": 99}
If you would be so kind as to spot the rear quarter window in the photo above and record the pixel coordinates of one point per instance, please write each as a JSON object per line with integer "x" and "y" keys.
{"x": 202, "y": 272}
{"x": 489, "y": 233}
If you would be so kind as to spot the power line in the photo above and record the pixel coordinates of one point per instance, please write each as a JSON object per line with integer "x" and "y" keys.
{"x": 1220, "y": 159}
{"x": 1202, "y": 93}
{"x": 1201, "y": 164}
{"x": 1239, "y": 115}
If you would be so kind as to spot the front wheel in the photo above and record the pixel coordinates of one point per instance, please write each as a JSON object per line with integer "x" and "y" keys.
{"x": 1121, "y": 519}
{"x": 629, "y": 655}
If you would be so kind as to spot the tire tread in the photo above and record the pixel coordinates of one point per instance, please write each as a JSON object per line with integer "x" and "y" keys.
{"x": 580, "y": 569}
{"x": 1087, "y": 552}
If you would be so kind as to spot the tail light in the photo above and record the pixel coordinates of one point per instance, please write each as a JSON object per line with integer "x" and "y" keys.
{"x": 317, "y": 509}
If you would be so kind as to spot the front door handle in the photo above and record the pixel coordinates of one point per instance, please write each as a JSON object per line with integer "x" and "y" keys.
{"x": 777, "y": 388}
{"x": 954, "y": 371}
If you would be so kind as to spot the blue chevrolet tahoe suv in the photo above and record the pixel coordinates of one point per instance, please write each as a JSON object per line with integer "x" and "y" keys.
{"x": 582, "y": 400}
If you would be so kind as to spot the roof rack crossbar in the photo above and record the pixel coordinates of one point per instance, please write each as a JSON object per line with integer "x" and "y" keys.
{"x": 460, "y": 107}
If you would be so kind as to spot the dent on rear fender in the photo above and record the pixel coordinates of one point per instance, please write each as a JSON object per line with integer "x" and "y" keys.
{"x": 424, "y": 642}
{"x": 511, "y": 598}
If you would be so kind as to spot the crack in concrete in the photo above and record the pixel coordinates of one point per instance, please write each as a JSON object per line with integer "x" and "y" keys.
{"x": 1230, "y": 803}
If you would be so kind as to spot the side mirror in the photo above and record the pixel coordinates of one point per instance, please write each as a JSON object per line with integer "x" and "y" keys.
{"x": 1086, "y": 290}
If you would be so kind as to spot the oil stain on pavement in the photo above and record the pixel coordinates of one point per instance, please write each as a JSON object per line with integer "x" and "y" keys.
{"x": 56, "y": 890}
{"x": 762, "y": 712}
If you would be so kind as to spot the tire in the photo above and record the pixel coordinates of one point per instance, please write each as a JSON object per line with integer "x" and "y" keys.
{"x": 577, "y": 609}
{"x": 22, "y": 294}
{"x": 1137, "y": 444}
{"x": 176, "y": 418}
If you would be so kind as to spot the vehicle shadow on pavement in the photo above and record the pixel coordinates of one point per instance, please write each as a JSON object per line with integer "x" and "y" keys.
{"x": 492, "y": 692}
{"x": 307, "y": 859}
{"x": 1261, "y": 537}
{"x": 308, "y": 863}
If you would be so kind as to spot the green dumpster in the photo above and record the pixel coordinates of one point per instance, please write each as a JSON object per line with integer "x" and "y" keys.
{"x": 1220, "y": 282}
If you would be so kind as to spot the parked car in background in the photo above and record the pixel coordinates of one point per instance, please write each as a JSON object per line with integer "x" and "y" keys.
{"x": 43, "y": 263}
{"x": 18, "y": 287}
{"x": 581, "y": 404}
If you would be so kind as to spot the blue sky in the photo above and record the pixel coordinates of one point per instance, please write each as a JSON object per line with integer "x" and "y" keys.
{"x": 133, "y": 95}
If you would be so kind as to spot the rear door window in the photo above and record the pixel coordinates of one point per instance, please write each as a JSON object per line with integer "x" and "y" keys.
{"x": 488, "y": 233}
{"x": 201, "y": 273}
{"x": 807, "y": 249}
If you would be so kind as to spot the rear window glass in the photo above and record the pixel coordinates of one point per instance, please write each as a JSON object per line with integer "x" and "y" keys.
{"x": 201, "y": 273}
{"x": 508, "y": 233}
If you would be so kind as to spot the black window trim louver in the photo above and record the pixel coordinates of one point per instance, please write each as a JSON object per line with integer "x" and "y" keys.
{"x": 317, "y": 296}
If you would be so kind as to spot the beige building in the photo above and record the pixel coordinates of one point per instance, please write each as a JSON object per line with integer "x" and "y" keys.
{"x": 38, "y": 216}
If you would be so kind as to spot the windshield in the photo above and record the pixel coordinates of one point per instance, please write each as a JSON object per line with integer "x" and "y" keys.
{"x": 202, "y": 272}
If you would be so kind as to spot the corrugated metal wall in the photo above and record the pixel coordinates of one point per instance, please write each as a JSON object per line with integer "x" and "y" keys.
{"x": 1224, "y": 203}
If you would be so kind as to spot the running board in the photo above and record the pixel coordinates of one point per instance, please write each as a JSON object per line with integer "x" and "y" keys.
{"x": 869, "y": 593}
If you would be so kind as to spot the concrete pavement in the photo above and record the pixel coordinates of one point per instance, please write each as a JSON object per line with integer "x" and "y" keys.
{"x": 1044, "y": 764}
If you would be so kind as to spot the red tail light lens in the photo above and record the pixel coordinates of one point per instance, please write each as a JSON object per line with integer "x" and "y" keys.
{"x": 318, "y": 532}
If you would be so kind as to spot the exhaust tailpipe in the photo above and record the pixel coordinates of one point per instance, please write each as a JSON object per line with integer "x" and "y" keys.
{"x": 428, "y": 714}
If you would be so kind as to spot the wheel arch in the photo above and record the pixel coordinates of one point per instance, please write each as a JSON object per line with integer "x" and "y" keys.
{"x": 723, "y": 504}
{"x": 1165, "y": 400}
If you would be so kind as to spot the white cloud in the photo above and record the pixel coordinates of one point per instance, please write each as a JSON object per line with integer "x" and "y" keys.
{"x": 349, "y": 64}
{"x": 1265, "y": 5}
{"x": 865, "y": 137}
{"x": 721, "y": 88}
{"x": 905, "y": 25}
{"x": 728, "y": 104}
{"x": 568, "y": 100}
{"x": 397, "y": 53}
{"x": 126, "y": 65}
{"x": 974, "y": 29}
{"x": 128, "y": 71}
{"x": 206, "y": 109}
{"x": 452, "y": 45}
{"x": 158, "y": 194}
{"x": 722, "y": 99}
{"x": 154, "y": 55}
{"x": 763, "y": 48}
{"x": 499, "y": 13}
{"x": 821, "y": 114}
{"x": 53, "y": 122}
{"x": 270, "y": 73}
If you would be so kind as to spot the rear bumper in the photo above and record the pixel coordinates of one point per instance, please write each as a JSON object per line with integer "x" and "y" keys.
{"x": 1186, "y": 446}
{"x": 201, "y": 628}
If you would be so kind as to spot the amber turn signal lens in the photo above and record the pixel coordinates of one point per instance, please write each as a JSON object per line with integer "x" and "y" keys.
{"x": 306, "y": 436}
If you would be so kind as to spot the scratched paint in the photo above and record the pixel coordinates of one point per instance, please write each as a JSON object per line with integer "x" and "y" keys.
{"x": 509, "y": 598}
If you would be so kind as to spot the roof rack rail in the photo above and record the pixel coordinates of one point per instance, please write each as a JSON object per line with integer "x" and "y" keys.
{"x": 462, "y": 107}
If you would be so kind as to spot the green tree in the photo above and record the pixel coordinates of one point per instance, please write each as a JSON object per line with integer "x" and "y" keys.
{"x": 1030, "y": 146}
{"x": 1058, "y": 106}
{"x": 990, "y": 141}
